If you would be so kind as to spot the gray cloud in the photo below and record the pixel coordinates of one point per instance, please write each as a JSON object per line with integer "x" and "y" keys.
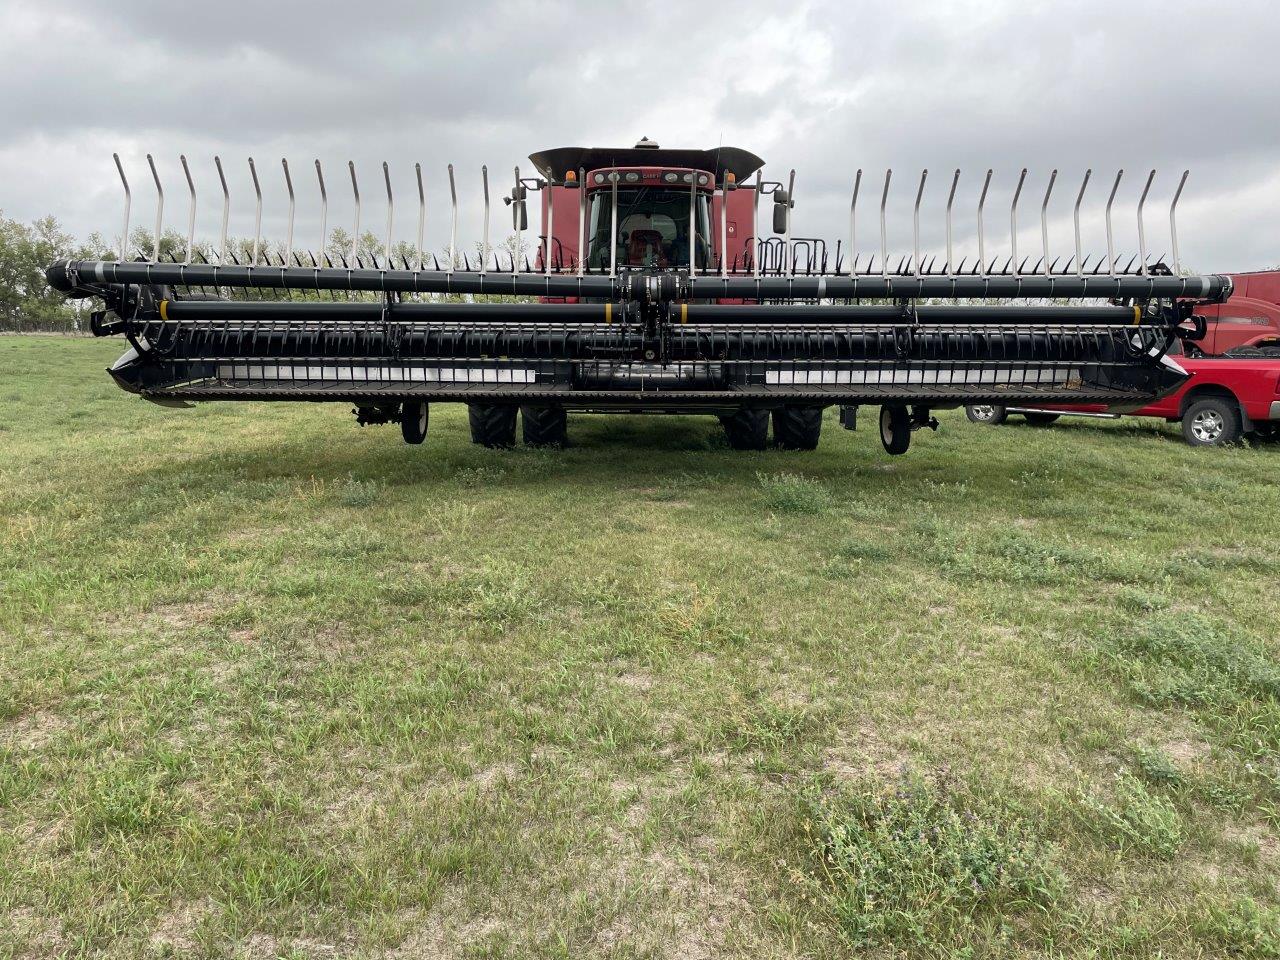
{"x": 824, "y": 87}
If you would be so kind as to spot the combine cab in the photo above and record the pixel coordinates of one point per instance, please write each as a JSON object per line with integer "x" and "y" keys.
{"x": 649, "y": 289}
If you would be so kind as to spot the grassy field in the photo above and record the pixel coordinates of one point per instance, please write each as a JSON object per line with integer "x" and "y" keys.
{"x": 272, "y": 685}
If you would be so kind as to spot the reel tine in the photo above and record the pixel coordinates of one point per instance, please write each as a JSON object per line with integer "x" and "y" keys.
{"x": 755, "y": 226}
{"x": 982, "y": 247}
{"x": 1173, "y": 223}
{"x": 391, "y": 209}
{"x": 257, "y": 220}
{"x": 1013, "y": 220}
{"x": 453, "y": 228}
{"x": 581, "y": 240}
{"x": 226, "y": 210}
{"x": 155, "y": 246}
{"x": 693, "y": 250}
{"x": 551, "y": 222}
{"x": 128, "y": 203}
{"x": 1129, "y": 265}
{"x": 853, "y": 209}
{"x": 355, "y": 229}
{"x": 791, "y": 203}
{"x": 422, "y": 212}
{"x": 484, "y": 243}
{"x": 915, "y": 228}
{"x": 951, "y": 199}
{"x": 1044, "y": 222}
{"x": 515, "y": 212}
{"x": 324, "y": 212}
{"x": 191, "y": 214}
{"x": 1080, "y": 199}
{"x": 1111, "y": 247}
{"x": 884, "y": 230}
{"x": 1142, "y": 232}
{"x": 293, "y": 206}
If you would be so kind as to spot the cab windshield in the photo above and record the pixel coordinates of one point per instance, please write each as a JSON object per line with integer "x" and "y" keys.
{"x": 653, "y": 228}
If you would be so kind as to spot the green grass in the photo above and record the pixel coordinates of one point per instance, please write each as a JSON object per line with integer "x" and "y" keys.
{"x": 274, "y": 685}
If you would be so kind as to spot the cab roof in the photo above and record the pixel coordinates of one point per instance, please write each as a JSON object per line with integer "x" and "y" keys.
{"x": 556, "y": 162}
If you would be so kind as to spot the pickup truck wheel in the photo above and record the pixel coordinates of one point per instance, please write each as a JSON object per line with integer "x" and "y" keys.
{"x": 413, "y": 422}
{"x": 988, "y": 413}
{"x": 895, "y": 428}
{"x": 544, "y": 426}
{"x": 797, "y": 428}
{"x": 1042, "y": 419}
{"x": 1211, "y": 422}
{"x": 747, "y": 429}
{"x": 492, "y": 425}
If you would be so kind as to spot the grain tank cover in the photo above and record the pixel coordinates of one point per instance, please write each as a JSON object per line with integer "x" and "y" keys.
{"x": 556, "y": 162}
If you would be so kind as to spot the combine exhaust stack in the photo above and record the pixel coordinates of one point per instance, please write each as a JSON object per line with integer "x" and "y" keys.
{"x": 642, "y": 294}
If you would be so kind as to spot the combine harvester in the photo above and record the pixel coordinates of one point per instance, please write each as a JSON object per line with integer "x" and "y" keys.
{"x": 650, "y": 291}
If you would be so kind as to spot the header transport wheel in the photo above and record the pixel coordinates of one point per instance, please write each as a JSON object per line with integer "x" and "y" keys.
{"x": 413, "y": 422}
{"x": 895, "y": 428}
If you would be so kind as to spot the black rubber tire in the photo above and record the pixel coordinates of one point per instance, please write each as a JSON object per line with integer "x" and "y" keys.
{"x": 895, "y": 429}
{"x": 413, "y": 422}
{"x": 492, "y": 425}
{"x": 544, "y": 426}
{"x": 975, "y": 414}
{"x": 747, "y": 429}
{"x": 797, "y": 428}
{"x": 1042, "y": 419}
{"x": 1211, "y": 422}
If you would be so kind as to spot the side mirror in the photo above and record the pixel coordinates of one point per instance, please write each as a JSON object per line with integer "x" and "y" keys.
{"x": 781, "y": 211}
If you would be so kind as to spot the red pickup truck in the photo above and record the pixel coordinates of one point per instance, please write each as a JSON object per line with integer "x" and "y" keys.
{"x": 1226, "y": 398}
{"x": 1234, "y": 388}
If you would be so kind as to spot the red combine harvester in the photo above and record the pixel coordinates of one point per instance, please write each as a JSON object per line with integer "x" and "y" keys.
{"x": 650, "y": 290}
{"x": 1249, "y": 318}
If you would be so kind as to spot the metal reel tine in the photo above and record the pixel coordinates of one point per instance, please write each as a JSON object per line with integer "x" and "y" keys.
{"x": 288, "y": 182}
{"x": 391, "y": 208}
{"x": 324, "y": 212}
{"x": 422, "y": 212}
{"x": 1013, "y": 219}
{"x": 155, "y": 246}
{"x": 1111, "y": 248}
{"x": 191, "y": 215}
{"x": 982, "y": 249}
{"x": 355, "y": 229}
{"x": 484, "y": 242}
{"x": 128, "y": 203}
{"x": 1044, "y": 222}
{"x": 884, "y": 242}
{"x": 257, "y": 219}
{"x": 1173, "y": 223}
{"x": 915, "y": 233}
{"x": 1142, "y": 231}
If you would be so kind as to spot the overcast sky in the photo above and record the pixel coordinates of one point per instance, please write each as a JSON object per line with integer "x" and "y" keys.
{"x": 825, "y": 88}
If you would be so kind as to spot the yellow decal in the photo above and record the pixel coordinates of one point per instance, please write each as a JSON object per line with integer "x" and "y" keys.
{"x": 164, "y": 309}
{"x": 684, "y": 313}
{"x": 608, "y": 313}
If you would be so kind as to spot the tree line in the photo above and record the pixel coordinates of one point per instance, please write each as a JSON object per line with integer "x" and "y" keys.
{"x": 29, "y": 305}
